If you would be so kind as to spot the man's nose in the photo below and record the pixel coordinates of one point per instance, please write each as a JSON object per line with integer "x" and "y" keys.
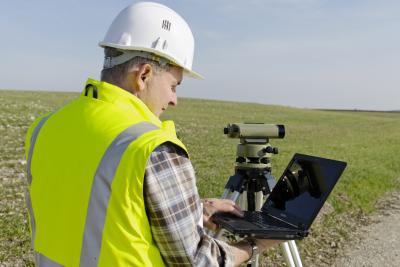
{"x": 173, "y": 101}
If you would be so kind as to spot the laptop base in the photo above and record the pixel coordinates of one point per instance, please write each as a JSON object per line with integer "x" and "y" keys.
{"x": 252, "y": 226}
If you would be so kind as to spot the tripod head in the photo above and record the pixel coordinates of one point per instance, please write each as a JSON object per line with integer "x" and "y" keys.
{"x": 254, "y": 150}
{"x": 253, "y": 165}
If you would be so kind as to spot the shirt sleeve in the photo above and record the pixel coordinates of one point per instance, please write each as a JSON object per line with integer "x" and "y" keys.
{"x": 174, "y": 211}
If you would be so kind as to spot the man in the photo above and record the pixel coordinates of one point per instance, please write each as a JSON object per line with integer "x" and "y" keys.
{"x": 109, "y": 183}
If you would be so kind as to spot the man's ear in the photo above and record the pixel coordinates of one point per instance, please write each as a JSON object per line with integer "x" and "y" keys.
{"x": 144, "y": 74}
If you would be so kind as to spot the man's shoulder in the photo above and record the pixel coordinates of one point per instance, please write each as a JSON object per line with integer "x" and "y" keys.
{"x": 170, "y": 148}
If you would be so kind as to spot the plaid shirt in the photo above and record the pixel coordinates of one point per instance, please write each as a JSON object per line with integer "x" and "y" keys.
{"x": 175, "y": 212}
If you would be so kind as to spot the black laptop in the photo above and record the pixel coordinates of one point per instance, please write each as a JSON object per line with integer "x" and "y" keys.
{"x": 293, "y": 204}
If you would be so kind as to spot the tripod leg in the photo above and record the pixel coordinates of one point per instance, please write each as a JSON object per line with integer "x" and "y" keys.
{"x": 295, "y": 253}
{"x": 259, "y": 200}
{"x": 258, "y": 204}
{"x": 225, "y": 194}
{"x": 229, "y": 195}
{"x": 235, "y": 196}
{"x": 243, "y": 204}
{"x": 243, "y": 200}
{"x": 287, "y": 254}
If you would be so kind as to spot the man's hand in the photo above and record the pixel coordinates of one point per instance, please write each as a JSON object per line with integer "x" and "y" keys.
{"x": 214, "y": 205}
{"x": 241, "y": 250}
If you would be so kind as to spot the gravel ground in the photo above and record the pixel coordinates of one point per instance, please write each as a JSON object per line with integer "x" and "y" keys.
{"x": 377, "y": 244}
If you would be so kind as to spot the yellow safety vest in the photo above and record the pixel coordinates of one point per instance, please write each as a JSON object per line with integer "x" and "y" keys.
{"x": 85, "y": 166}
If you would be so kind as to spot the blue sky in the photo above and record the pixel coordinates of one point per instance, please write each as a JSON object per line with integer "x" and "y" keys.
{"x": 301, "y": 53}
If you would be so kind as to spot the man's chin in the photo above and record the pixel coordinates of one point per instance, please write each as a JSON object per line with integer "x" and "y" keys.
{"x": 158, "y": 114}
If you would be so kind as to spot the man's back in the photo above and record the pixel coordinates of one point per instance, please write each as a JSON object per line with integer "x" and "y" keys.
{"x": 86, "y": 187}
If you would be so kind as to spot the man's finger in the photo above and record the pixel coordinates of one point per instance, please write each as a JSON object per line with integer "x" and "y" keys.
{"x": 231, "y": 207}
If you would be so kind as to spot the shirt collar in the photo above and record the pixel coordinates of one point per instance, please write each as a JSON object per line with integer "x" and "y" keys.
{"x": 111, "y": 93}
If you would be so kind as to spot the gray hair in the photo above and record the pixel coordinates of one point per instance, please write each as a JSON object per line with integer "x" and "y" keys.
{"x": 117, "y": 73}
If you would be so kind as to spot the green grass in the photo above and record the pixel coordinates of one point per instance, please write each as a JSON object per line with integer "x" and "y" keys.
{"x": 368, "y": 141}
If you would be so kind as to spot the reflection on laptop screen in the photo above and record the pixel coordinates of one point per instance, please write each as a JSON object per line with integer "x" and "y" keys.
{"x": 304, "y": 186}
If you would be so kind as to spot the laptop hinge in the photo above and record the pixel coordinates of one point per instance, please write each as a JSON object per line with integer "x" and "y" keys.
{"x": 279, "y": 219}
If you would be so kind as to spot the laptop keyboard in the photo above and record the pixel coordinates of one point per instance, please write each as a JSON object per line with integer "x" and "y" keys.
{"x": 264, "y": 221}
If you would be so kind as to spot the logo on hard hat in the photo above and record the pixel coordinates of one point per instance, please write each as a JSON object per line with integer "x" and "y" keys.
{"x": 166, "y": 25}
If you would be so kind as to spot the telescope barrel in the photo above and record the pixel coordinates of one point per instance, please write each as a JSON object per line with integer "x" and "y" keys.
{"x": 254, "y": 130}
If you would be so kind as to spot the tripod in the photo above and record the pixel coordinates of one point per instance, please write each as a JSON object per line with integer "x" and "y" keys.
{"x": 253, "y": 177}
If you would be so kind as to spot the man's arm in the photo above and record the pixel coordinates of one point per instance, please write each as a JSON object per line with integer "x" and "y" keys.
{"x": 174, "y": 211}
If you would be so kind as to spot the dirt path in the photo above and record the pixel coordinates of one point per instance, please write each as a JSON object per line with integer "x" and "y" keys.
{"x": 377, "y": 244}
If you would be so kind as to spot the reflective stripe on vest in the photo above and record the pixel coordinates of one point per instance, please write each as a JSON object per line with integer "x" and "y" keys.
{"x": 32, "y": 144}
{"x": 99, "y": 195}
{"x": 43, "y": 261}
{"x": 101, "y": 190}
{"x": 29, "y": 176}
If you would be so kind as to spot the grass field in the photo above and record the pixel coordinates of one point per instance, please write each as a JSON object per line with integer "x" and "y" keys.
{"x": 368, "y": 141}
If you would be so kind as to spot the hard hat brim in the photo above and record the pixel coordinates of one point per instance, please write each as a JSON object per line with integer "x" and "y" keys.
{"x": 192, "y": 74}
{"x": 188, "y": 72}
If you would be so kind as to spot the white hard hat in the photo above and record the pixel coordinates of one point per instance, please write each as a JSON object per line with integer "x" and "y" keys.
{"x": 155, "y": 28}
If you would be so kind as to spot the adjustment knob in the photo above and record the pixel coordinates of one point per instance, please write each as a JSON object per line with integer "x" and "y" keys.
{"x": 270, "y": 149}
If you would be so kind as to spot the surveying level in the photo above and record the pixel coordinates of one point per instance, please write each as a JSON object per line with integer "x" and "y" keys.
{"x": 254, "y": 150}
{"x": 253, "y": 178}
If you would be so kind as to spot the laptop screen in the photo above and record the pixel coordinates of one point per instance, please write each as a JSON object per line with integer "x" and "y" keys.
{"x": 303, "y": 188}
